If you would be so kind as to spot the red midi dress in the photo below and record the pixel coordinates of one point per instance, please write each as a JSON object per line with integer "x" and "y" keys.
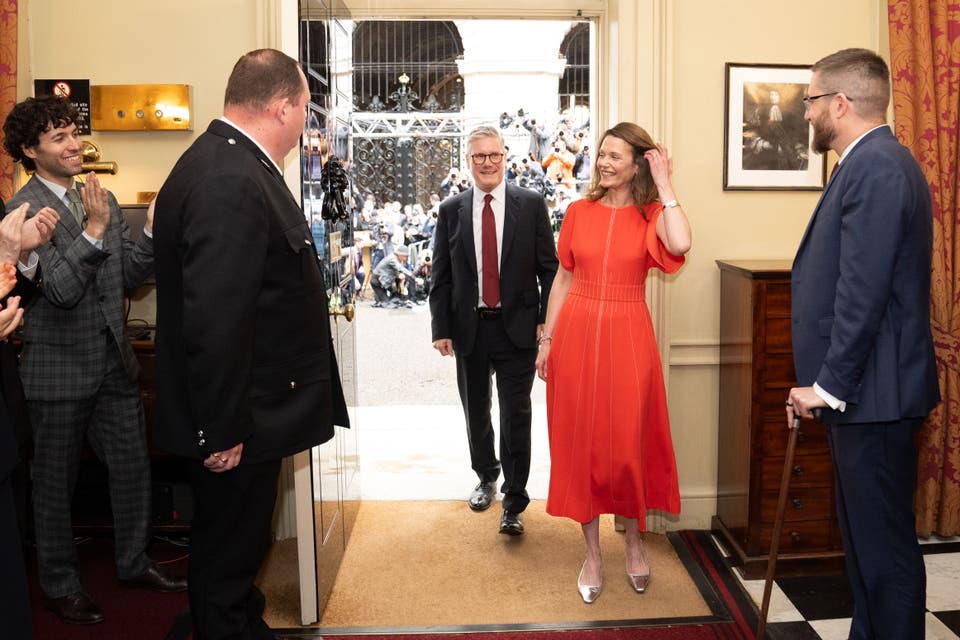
{"x": 610, "y": 445}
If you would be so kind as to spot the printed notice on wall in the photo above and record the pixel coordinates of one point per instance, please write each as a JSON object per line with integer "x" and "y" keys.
{"x": 76, "y": 91}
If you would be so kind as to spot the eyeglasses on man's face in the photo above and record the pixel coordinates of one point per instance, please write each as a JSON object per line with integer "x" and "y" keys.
{"x": 809, "y": 100}
{"x": 480, "y": 158}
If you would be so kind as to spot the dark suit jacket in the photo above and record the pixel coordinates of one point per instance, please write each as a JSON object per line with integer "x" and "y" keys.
{"x": 861, "y": 287}
{"x": 529, "y": 259}
{"x": 82, "y": 294}
{"x": 14, "y": 419}
{"x": 244, "y": 352}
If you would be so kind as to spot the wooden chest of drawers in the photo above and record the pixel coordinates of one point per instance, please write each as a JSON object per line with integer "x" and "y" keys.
{"x": 756, "y": 372}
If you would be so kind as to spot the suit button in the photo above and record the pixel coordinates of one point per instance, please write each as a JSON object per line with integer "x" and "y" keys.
{"x": 200, "y": 433}
{"x": 201, "y": 442}
{"x": 293, "y": 385}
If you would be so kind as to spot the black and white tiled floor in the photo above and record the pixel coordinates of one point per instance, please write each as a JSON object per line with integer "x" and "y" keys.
{"x": 819, "y": 607}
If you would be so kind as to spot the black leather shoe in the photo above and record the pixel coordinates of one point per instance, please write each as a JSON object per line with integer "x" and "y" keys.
{"x": 155, "y": 579}
{"x": 76, "y": 608}
{"x": 511, "y": 523}
{"x": 482, "y": 496}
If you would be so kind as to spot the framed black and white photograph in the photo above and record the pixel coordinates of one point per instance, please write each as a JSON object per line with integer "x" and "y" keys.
{"x": 767, "y": 142}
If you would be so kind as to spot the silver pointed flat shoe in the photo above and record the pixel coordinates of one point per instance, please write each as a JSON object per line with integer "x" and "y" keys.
{"x": 639, "y": 581}
{"x": 589, "y": 593}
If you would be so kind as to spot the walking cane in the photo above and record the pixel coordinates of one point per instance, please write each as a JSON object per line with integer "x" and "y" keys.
{"x": 778, "y": 520}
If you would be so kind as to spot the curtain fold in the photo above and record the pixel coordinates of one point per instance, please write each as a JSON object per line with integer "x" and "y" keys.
{"x": 925, "y": 70}
{"x": 8, "y": 84}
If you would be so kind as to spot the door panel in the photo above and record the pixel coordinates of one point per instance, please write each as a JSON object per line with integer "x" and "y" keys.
{"x": 331, "y": 487}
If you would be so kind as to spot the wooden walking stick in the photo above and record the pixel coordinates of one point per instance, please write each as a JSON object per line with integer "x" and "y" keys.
{"x": 778, "y": 520}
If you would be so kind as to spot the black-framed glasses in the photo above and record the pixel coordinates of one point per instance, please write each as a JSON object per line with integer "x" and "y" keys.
{"x": 480, "y": 158}
{"x": 808, "y": 100}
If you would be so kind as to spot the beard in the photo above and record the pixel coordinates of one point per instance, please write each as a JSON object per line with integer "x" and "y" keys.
{"x": 824, "y": 134}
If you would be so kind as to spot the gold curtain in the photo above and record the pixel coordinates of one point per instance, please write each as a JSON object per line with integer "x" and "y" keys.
{"x": 925, "y": 67}
{"x": 8, "y": 84}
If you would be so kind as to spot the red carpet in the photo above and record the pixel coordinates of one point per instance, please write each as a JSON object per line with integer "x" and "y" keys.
{"x": 142, "y": 615}
{"x": 131, "y": 614}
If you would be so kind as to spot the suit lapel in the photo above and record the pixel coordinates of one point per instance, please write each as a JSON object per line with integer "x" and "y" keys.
{"x": 466, "y": 229}
{"x": 873, "y": 135}
{"x": 39, "y": 193}
{"x": 511, "y": 216}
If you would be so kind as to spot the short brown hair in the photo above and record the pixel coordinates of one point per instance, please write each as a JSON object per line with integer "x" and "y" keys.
{"x": 261, "y": 76}
{"x": 644, "y": 191}
{"x": 861, "y": 75}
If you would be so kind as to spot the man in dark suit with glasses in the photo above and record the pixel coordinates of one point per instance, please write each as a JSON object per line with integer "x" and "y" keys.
{"x": 493, "y": 263}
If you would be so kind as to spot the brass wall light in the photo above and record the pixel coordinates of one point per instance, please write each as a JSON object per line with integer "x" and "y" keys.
{"x": 91, "y": 159}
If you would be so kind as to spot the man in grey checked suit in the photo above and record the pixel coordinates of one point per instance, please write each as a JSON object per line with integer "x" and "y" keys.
{"x": 79, "y": 372}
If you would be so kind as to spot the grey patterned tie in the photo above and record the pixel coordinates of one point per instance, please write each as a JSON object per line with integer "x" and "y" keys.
{"x": 76, "y": 207}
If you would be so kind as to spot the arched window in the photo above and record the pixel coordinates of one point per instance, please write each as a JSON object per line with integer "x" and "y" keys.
{"x": 406, "y": 65}
{"x": 575, "y": 83}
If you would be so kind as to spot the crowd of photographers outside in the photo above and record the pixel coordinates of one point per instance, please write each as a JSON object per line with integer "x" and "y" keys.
{"x": 399, "y": 236}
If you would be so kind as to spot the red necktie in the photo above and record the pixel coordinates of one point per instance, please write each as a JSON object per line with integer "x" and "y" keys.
{"x": 488, "y": 251}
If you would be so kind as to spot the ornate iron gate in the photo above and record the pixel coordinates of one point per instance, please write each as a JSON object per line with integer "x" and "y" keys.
{"x": 405, "y": 156}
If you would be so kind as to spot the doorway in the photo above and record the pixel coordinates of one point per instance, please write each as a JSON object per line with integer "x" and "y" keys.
{"x": 392, "y": 101}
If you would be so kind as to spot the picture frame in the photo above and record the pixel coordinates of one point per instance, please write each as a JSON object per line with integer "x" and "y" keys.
{"x": 767, "y": 143}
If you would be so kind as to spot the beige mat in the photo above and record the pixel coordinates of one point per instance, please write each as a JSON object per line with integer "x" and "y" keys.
{"x": 419, "y": 564}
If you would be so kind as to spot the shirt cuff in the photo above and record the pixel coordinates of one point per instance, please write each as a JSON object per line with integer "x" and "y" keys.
{"x": 29, "y": 270}
{"x": 149, "y": 234}
{"x": 832, "y": 401}
{"x": 97, "y": 243}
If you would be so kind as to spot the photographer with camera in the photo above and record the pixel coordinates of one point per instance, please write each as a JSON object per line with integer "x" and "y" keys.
{"x": 450, "y": 181}
{"x": 393, "y": 283}
{"x": 539, "y": 139}
{"x": 421, "y": 276}
{"x": 559, "y": 165}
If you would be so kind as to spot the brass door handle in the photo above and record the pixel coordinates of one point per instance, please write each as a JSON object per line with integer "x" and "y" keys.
{"x": 347, "y": 311}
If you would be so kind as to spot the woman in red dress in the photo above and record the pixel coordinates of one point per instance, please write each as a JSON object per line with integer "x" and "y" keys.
{"x": 610, "y": 445}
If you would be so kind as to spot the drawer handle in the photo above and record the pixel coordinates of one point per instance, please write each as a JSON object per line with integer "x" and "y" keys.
{"x": 797, "y": 504}
{"x": 795, "y": 537}
{"x": 798, "y": 471}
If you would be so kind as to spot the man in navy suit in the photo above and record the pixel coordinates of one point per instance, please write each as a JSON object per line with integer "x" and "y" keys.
{"x": 492, "y": 323}
{"x": 862, "y": 345}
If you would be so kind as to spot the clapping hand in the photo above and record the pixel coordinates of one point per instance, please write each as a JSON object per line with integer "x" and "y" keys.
{"x": 96, "y": 205}
{"x": 11, "y": 315}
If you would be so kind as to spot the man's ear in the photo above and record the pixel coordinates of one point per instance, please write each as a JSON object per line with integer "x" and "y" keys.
{"x": 30, "y": 152}
{"x": 278, "y": 108}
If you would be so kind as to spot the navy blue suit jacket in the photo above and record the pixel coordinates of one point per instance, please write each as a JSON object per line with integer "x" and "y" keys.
{"x": 861, "y": 287}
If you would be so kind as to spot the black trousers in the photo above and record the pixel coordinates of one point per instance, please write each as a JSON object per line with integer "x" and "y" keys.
{"x": 229, "y": 539}
{"x": 876, "y": 469}
{"x": 492, "y": 353}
